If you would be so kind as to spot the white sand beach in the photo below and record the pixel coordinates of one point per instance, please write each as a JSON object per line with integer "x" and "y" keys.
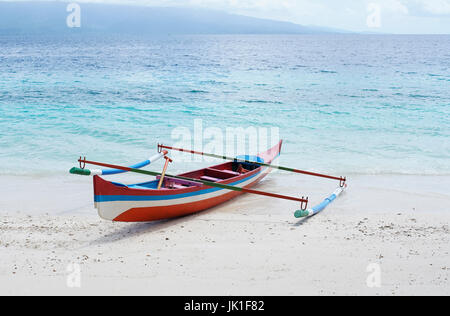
{"x": 249, "y": 246}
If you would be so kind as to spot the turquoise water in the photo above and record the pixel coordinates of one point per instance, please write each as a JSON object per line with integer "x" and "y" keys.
{"x": 344, "y": 104}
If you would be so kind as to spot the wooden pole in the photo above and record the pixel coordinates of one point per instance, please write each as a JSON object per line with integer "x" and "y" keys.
{"x": 341, "y": 179}
{"x": 164, "y": 172}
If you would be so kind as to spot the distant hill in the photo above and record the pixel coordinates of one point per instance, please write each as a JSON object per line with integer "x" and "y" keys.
{"x": 50, "y": 18}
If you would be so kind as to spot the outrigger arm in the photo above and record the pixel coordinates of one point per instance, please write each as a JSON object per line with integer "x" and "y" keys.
{"x": 341, "y": 180}
{"x": 304, "y": 212}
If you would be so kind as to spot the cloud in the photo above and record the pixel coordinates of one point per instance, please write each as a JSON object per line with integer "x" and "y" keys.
{"x": 421, "y": 8}
{"x": 394, "y": 6}
{"x": 436, "y": 7}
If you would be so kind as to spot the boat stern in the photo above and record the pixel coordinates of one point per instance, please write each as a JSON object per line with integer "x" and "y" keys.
{"x": 107, "y": 210}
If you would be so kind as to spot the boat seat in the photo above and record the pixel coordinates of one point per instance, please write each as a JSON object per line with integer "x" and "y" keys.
{"x": 210, "y": 179}
{"x": 220, "y": 174}
{"x": 178, "y": 186}
{"x": 227, "y": 172}
{"x": 181, "y": 182}
{"x": 136, "y": 186}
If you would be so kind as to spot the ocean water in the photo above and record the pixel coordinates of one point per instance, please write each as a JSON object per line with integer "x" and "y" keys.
{"x": 358, "y": 104}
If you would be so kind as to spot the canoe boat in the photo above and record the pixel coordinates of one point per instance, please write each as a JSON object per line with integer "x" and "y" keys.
{"x": 170, "y": 196}
{"x": 143, "y": 202}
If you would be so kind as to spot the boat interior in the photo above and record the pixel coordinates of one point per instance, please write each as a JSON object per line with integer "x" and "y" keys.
{"x": 212, "y": 174}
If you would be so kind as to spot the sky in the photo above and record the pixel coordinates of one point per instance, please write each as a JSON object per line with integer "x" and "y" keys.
{"x": 386, "y": 16}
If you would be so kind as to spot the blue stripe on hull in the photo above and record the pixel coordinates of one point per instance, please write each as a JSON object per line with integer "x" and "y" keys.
{"x": 114, "y": 198}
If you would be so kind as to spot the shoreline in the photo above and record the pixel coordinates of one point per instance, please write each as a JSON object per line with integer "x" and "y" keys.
{"x": 248, "y": 246}
{"x": 68, "y": 194}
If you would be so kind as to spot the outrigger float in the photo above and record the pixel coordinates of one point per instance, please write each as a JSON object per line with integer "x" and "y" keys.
{"x": 172, "y": 196}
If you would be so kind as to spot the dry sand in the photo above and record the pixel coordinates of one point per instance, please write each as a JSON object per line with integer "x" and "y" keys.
{"x": 249, "y": 246}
